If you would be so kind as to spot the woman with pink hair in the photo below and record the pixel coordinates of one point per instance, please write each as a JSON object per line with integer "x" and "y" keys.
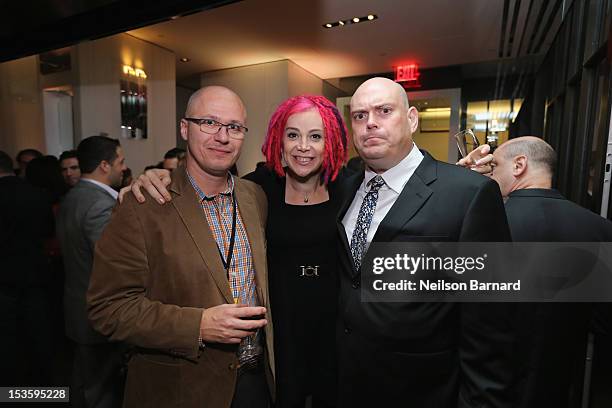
{"x": 305, "y": 149}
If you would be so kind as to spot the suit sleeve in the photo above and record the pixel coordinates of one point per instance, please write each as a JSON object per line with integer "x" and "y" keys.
{"x": 487, "y": 333}
{"x": 485, "y": 219}
{"x": 97, "y": 217}
{"x": 117, "y": 296}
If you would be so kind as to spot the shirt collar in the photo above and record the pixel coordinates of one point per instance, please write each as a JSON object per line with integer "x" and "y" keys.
{"x": 536, "y": 192}
{"x": 397, "y": 177}
{"x": 202, "y": 196}
{"x": 106, "y": 187}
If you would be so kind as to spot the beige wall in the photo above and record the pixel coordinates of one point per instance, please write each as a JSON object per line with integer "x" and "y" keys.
{"x": 21, "y": 110}
{"x": 302, "y": 81}
{"x": 96, "y": 105}
{"x": 94, "y": 78}
{"x": 436, "y": 143}
{"x": 182, "y": 98}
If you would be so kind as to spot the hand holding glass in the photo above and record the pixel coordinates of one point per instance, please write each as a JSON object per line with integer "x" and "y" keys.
{"x": 466, "y": 142}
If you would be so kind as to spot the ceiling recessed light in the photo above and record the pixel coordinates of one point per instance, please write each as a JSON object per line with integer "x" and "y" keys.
{"x": 352, "y": 20}
{"x": 184, "y": 59}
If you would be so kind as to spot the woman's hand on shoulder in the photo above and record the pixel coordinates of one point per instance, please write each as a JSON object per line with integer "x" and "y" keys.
{"x": 154, "y": 182}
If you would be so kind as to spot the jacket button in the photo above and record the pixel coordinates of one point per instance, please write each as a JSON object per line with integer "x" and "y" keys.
{"x": 355, "y": 284}
{"x": 347, "y": 330}
{"x": 232, "y": 366}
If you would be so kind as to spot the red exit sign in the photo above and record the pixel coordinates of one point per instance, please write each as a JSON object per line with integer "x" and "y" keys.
{"x": 407, "y": 73}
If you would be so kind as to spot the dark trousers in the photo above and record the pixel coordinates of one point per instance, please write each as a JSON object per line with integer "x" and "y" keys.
{"x": 97, "y": 377}
{"x": 251, "y": 389}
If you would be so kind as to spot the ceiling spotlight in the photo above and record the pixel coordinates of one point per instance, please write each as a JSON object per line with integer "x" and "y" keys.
{"x": 184, "y": 59}
{"x": 174, "y": 17}
{"x": 352, "y": 20}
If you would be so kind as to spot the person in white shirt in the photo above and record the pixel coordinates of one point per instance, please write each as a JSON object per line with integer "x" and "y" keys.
{"x": 413, "y": 354}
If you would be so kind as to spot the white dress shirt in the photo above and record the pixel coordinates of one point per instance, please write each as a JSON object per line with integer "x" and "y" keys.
{"x": 106, "y": 187}
{"x": 395, "y": 179}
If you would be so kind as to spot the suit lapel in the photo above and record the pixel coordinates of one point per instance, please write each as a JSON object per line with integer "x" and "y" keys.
{"x": 415, "y": 193}
{"x": 192, "y": 215}
{"x": 347, "y": 194}
{"x": 247, "y": 205}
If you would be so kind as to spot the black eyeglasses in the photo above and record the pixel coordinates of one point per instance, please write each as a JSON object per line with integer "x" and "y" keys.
{"x": 212, "y": 127}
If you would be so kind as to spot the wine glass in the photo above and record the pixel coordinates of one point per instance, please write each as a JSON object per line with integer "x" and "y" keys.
{"x": 250, "y": 348}
{"x": 466, "y": 142}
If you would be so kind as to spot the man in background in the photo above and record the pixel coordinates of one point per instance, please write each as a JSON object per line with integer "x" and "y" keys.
{"x": 550, "y": 337}
{"x": 83, "y": 215}
{"x": 23, "y": 158}
{"x": 71, "y": 171}
{"x": 173, "y": 158}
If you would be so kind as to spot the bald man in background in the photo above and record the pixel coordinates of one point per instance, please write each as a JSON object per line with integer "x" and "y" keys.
{"x": 551, "y": 338}
{"x": 523, "y": 168}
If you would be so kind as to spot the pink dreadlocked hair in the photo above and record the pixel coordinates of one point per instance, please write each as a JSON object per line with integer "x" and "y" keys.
{"x": 333, "y": 126}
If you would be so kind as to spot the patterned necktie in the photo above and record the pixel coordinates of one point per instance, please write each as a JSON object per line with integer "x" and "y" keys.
{"x": 364, "y": 219}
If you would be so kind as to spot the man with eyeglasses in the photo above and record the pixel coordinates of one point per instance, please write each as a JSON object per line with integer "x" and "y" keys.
{"x": 186, "y": 283}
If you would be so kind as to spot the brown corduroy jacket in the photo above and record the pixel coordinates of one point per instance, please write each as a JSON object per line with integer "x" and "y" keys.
{"x": 156, "y": 268}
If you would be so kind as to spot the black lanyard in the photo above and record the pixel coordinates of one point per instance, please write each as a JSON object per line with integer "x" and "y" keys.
{"x": 230, "y": 251}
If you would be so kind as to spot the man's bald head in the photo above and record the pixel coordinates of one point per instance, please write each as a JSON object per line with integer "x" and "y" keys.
{"x": 208, "y": 94}
{"x": 211, "y": 149}
{"x": 541, "y": 155}
{"x": 524, "y": 162}
{"x": 378, "y": 83}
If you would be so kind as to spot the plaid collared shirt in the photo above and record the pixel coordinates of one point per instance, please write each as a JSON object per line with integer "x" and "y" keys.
{"x": 219, "y": 210}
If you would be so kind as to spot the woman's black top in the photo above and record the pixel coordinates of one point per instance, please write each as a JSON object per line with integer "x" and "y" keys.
{"x": 302, "y": 272}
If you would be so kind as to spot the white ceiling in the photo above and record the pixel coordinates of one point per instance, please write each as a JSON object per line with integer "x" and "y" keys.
{"x": 431, "y": 33}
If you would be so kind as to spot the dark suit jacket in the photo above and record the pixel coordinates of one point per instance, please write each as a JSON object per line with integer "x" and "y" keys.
{"x": 83, "y": 215}
{"x": 544, "y": 215}
{"x": 424, "y": 354}
{"x": 551, "y": 343}
{"x": 26, "y": 220}
{"x": 157, "y": 267}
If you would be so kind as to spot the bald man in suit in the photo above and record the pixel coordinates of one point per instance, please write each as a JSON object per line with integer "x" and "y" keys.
{"x": 550, "y": 347}
{"x": 413, "y": 354}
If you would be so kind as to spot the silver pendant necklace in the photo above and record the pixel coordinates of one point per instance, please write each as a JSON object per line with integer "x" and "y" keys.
{"x": 307, "y": 196}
